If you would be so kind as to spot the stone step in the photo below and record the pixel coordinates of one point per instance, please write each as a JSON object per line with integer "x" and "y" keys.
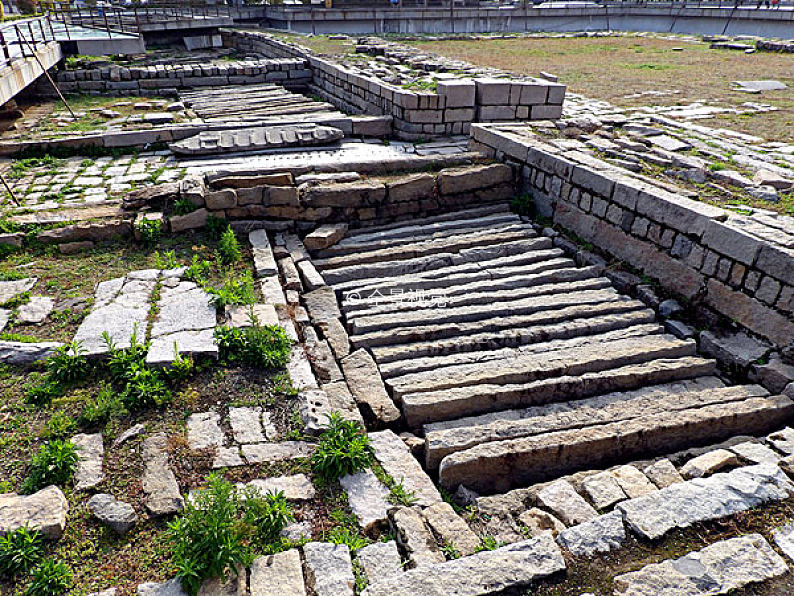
{"x": 514, "y": 337}
{"x": 475, "y": 292}
{"x": 720, "y": 568}
{"x": 466, "y": 314}
{"x": 488, "y": 572}
{"x": 421, "y": 248}
{"x": 434, "y": 261}
{"x": 423, "y": 408}
{"x": 416, "y": 365}
{"x": 501, "y": 465}
{"x": 529, "y": 263}
{"x": 400, "y": 228}
{"x": 401, "y": 236}
{"x": 400, "y": 335}
{"x": 524, "y": 368}
{"x": 444, "y": 438}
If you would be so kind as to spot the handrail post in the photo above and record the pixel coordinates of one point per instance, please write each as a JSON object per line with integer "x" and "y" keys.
{"x": 4, "y": 45}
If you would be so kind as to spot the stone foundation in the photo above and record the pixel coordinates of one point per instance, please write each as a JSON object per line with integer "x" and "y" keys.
{"x": 416, "y": 114}
{"x": 695, "y": 250}
{"x": 161, "y": 79}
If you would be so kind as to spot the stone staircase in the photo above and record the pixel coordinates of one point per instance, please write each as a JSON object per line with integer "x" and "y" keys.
{"x": 516, "y": 365}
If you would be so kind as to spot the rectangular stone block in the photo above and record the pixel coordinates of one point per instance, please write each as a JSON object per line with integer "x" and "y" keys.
{"x": 459, "y": 93}
{"x": 492, "y": 92}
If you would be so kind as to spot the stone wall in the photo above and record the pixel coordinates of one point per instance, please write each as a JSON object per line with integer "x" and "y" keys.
{"x": 696, "y": 250}
{"x": 282, "y": 198}
{"x": 416, "y": 114}
{"x": 147, "y": 80}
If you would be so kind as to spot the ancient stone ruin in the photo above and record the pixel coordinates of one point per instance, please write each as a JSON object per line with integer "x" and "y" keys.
{"x": 553, "y": 337}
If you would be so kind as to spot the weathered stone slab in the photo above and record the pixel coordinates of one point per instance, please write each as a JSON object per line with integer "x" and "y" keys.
{"x": 13, "y": 288}
{"x": 246, "y": 423}
{"x": 538, "y": 521}
{"x": 257, "y": 139}
{"x": 325, "y": 236}
{"x": 363, "y": 379}
{"x": 44, "y": 511}
{"x": 35, "y": 310}
{"x": 603, "y": 490}
{"x": 204, "y": 430}
{"x": 19, "y": 353}
{"x": 379, "y": 560}
{"x": 243, "y": 316}
{"x": 119, "y": 516}
{"x": 164, "y": 349}
{"x": 367, "y": 497}
{"x": 321, "y": 304}
{"x": 159, "y": 482}
{"x": 663, "y": 473}
{"x": 90, "y": 452}
{"x": 708, "y": 463}
{"x": 312, "y": 279}
{"x": 172, "y": 587}
{"x": 601, "y": 534}
{"x": 329, "y": 570}
{"x": 717, "y": 569}
{"x": 264, "y": 261}
{"x": 392, "y": 453}
{"x": 295, "y": 488}
{"x": 488, "y": 572}
{"x": 632, "y": 481}
{"x": 784, "y": 538}
{"x": 277, "y": 575}
{"x": 447, "y": 524}
{"x": 257, "y": 453}
{"x": 415, "y": 537}
{"x": 185, "y": 307}
{"x": 755, "y": 453}
{"x": 565, "y": 503}
{"x": 683, "y": 504}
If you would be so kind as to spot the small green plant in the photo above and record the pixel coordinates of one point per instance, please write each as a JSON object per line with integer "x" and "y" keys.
{"x": 181, "y": 369}
{"x": 51, "y": 578}
{"x": 228, "y": 247}
{"x": 488, "y": 542}
{"x": 216, "y": 226}
{"x": 55, "y": 463}
{"x": 259, "y": 345}
{"x": 20, "y": 551}
{"x": 183, "y": 206}
{"x": 125, "y": 362}
{"x": 268, "y": 514}
{"x": 360, "y": 576}
{"x": 449, "y": 550}
{"x": 209, "y": 539}
{"x": 344, "y": 535}
{"x": 522, "y": 205}
{"x": 16, "y": 301}
{"x": 59, "y": 426}
{"x": 199, "y": 271}
{"x": 145, "y": 388}
{"x": 150, "y": 231}
{"x": 344, "y": 448}
{"x": 235, "y": 290}
{"x": 67, "y": 364}
{"x": 399, "y": 495}
{"x": 167, "y": 260}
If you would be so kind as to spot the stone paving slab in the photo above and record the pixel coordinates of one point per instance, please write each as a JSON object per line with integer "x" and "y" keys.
{"x": 717, "y": 569}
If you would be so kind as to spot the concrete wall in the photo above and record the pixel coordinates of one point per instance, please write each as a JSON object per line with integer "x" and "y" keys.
{"x": 693, "y": 249}
{"x": 22, "y": 72}
{"x": 663, "y": 18}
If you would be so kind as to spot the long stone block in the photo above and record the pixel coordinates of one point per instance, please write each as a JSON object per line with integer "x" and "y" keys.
{"x": 488, "y": 572}
{"x": 500, "y": 465}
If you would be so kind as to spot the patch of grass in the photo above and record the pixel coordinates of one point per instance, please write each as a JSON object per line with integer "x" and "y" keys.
{"x": 236, "y": 289}
{"x": 183, "y": 206}
{"x": 522, "y": 205}
{"x": 167, "y": 260}
{"x": 344, "y": 448}
{"x": 150, "y": 231}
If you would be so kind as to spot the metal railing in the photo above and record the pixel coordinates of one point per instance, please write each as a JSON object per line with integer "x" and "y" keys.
{"x": 133, "y": 18}
{"x": 21, "y": 39}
